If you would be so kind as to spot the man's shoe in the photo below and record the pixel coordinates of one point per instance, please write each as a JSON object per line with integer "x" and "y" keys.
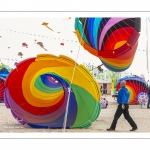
{"x": 133, "y": 129}
{"x": 110, "y": 129}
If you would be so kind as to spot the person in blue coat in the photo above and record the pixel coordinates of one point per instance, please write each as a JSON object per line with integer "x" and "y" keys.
{"x": 123, "y": 97}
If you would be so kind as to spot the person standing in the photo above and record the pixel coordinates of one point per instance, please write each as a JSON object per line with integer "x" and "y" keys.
{"x": 123, "y": 97}
{"x": 102, "y": 90}
{"x": 115, "y": 94}
{"x": 148, "y": 93}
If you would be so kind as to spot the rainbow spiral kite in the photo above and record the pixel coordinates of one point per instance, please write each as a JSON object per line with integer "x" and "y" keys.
{"x": 37, "y": 92}
{"x": 135, "y": 85}
{"x": 113, "y": 40}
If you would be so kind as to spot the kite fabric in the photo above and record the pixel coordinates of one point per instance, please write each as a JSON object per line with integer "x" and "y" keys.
{"x": 2, "y": 87}
{"x": 3, "y": 74}
{"x": 113, "y": 40}
{"x": 143, "y": 98}
{"x": 136, "y": 85}
{"x": 42, "y": 84}
{"x": 104, "y": 102}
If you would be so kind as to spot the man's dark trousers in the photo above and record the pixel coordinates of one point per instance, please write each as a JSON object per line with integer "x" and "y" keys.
{"x": 126, "y": 114}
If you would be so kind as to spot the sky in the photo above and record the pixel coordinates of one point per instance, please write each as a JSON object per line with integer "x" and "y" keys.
{"x": 138, "y": 65}
{"x": 15, "y": 31}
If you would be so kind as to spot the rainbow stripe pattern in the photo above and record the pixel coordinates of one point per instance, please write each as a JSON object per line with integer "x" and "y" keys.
{"x": 113, "y": 40}
{"x": 37, "y": 92}
{"x": 135, "y": 85}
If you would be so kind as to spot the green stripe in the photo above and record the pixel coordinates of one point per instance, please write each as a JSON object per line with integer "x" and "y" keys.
{"x": 79, "y": 27}
{"x": 88, "y": 108}
{"x": 115, "y": 66}
{"x": 43, "y": 88}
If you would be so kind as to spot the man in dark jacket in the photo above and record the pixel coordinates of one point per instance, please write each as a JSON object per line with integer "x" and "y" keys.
{"x": 123, "y": 97}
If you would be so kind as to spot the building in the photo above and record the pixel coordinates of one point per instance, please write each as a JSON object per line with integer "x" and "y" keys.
{"x": 106, "y": 84}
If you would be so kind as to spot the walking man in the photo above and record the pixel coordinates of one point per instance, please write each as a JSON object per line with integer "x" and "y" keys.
{"x": 123, "y": 97}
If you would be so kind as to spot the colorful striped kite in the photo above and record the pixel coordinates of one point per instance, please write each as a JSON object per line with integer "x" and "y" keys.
{"x": 113, "y": 40}
{"x": 136, "y": 85}
{"x": 42, "y": 84}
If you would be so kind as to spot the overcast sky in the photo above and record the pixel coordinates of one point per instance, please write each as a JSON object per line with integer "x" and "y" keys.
{"x": 15, "y": 31}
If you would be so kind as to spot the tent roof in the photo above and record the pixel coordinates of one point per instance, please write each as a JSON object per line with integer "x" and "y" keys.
{"x": 102, "y": 81}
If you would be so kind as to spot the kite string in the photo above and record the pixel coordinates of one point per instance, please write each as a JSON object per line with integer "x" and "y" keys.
{"x": 147, "y": 44}
{"x": 69, "y": 89}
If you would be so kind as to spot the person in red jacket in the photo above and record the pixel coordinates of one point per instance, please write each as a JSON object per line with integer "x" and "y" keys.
{"x": 123, "y": 97}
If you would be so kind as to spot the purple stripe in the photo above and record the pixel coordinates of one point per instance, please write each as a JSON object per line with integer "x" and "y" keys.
{"x": 3, "y": 78}
{"x": 109, "y": 24}
{"x": 20, "y": 113}
{"x": 51, "y": 79}
{"x": 5, "y": 99}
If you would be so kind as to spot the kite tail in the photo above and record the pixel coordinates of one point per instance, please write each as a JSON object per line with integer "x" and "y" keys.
{"x": 45, "y": 49}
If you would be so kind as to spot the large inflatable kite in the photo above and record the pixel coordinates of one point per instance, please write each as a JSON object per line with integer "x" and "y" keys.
{"x": 104, "y": 102}
{"x": 136, "y": 85}
{"x": 4, "y": 72}
{"x": 37, "y": 92}
{"x": 113, "y": 40}
{"x": 143, "y": 98}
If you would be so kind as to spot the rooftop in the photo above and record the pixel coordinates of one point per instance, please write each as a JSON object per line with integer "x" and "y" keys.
{"x": 103, "y": 81}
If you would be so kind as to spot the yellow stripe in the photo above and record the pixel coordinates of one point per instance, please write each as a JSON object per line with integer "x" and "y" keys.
{"x": 64, "y": 68}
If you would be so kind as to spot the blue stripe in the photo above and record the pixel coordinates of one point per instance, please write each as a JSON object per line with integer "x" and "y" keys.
{"x": 72, "y": 111}
{"x": 90, "y": 23}
{"x": 48, "y": 83}
{"x": 96, "y": 25}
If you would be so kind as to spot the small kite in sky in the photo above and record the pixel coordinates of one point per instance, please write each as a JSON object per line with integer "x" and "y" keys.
{"x": 74, "y": 32}
{"x": 62, "y": 44}
{"x": 35, "y": 41}
{"x": 24, "y": 45}
{"x": 20, "y": 54}
{"x": 100, "y": 68}
{"x": 15, "y": 63}
{"x": 67, "y": 19}
{"x": 41, "y": 45}
{"x": 46, "y": 25}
